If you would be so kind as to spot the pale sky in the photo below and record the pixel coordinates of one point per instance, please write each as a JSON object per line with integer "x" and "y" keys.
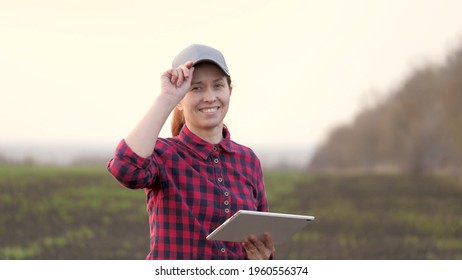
{"x": 87, "y": 70}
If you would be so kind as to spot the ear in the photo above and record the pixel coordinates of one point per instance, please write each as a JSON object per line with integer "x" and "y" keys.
{"x": 230, "y": 90}
{"x": 179, "y": 107}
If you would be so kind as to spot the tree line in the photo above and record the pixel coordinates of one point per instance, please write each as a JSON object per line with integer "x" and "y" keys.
{"x": 417, "y": 128}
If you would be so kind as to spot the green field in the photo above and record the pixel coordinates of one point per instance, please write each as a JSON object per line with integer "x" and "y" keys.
{"x": 82, "y": 213}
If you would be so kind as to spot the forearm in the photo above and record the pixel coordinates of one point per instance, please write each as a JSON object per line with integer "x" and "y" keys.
{"x": 143, "y": 137}
{"x": 174, "y": 85}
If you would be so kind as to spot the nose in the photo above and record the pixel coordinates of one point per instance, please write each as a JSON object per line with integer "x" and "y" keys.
{"x": 209, "y": 96}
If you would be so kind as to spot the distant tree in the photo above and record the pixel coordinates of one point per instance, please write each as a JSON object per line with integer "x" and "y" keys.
{"x": 417, "y": 128}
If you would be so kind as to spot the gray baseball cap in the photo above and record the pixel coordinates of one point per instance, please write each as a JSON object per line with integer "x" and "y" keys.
{"x": 201, "y": 53}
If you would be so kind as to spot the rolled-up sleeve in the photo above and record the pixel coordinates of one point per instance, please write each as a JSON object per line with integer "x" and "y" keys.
{"x": 131, "y": 170}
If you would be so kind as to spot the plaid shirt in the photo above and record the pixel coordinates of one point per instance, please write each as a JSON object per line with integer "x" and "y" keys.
{"x": 192, "y": 186}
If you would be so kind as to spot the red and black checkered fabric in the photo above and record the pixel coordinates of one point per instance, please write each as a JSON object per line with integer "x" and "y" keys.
{"x": 192, "y": 186}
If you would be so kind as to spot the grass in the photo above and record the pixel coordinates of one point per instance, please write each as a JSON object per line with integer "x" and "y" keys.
{"x": 69, "y": 213}
{"x": 376, "y": 217}
{"x": 82, "y": 213}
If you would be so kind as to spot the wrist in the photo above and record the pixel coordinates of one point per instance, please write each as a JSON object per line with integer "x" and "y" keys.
{"x": 167, "y": 101}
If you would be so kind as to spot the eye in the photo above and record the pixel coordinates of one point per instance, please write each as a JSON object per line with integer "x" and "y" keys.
{"x": 196, "y": 88}
{"x": 219, "y": 85}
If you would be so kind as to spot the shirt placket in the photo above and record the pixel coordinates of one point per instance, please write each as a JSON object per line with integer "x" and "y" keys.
{"x": 220, "y": 182}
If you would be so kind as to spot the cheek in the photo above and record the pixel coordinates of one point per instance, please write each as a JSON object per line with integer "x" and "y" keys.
{"x": 188, "y": 102}
{"x": 225, "y": 102}
{"x": 224, "y": 96}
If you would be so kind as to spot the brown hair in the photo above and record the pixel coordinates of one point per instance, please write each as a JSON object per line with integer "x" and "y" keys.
{"x": 178, "y": 118}
{"x": 177, "y": 121}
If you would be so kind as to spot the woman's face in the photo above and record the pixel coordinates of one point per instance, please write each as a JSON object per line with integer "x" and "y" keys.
{"x": 207, "y": 101}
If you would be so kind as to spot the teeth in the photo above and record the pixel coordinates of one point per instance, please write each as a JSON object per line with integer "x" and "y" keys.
{"x": 209, "y": 110}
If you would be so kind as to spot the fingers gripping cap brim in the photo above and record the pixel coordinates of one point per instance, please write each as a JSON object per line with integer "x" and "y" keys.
{"x": 201, "y": 53}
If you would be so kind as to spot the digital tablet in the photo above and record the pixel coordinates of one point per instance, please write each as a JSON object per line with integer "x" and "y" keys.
{"x": 245, "y": 223}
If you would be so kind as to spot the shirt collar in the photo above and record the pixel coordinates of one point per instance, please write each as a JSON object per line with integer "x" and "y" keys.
{"x": 202, "y": 147}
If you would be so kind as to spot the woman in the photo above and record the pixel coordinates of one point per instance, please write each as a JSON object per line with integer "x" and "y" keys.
{"x": 198, "y": 178}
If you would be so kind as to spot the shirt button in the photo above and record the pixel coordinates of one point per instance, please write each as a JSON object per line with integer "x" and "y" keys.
{"x": 215, "y": 148}
{"x": 220, "y": 180}
{"x": 226, "y": 210}
{"x": 226, "y": 193}
{"x": 222, "y": 250}
{"x": 216, "y": 160}
{"x": 226, "y": 202}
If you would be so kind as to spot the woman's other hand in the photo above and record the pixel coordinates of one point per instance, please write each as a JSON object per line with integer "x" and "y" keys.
{"x": 257, "y": 249}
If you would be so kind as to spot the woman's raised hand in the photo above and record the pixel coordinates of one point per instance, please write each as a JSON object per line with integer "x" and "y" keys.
{"x": 175, "y": 82}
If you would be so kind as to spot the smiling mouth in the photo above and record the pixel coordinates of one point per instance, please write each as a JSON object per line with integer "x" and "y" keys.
{"x": 209, "y": 110}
